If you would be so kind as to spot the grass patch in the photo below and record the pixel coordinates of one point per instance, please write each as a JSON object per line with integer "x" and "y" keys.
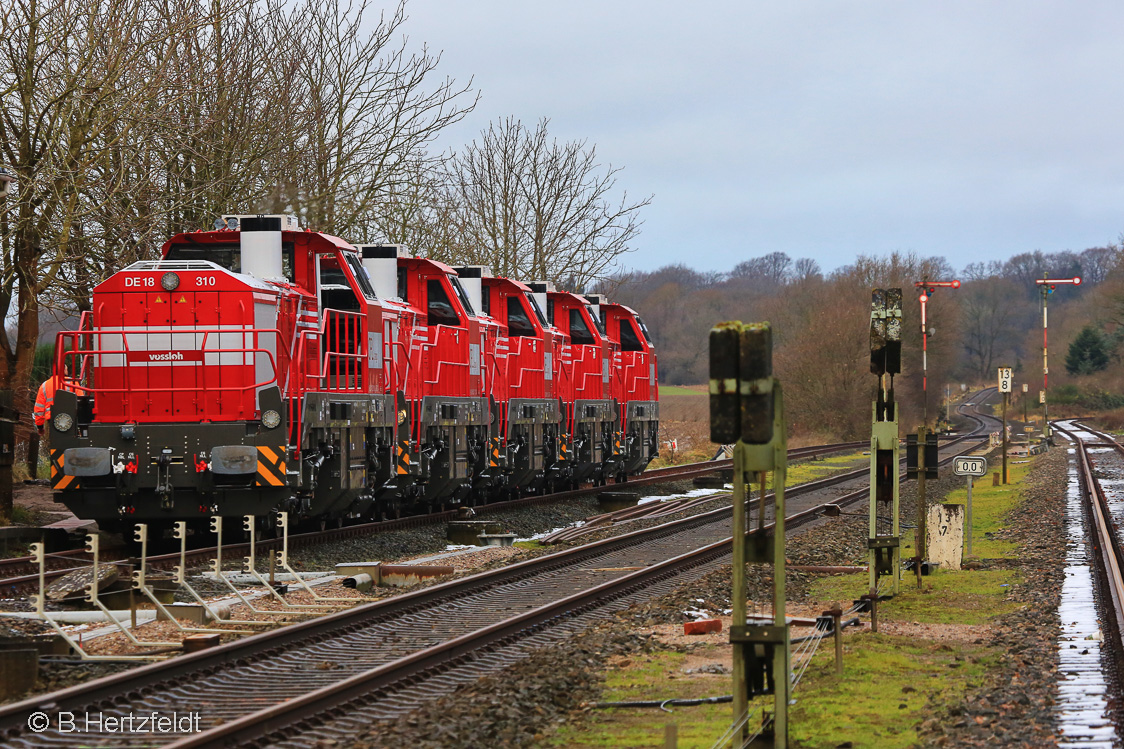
{"x": 648, "y": 677}
{"x": 989, "y": 506}
{"x": 960, "y": 597}
{"x": 888, "y": 681}
{"x": 527, "y": 544}
{"x": 681, "y": 390}
{"x": 810, "y": 470}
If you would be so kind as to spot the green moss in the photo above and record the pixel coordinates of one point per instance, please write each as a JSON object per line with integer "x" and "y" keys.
{"x": 528, "y": 544}
{"x": 680, "y": 390}
{"x": 654, "y": 676}
{"x": 873, "y": 710}
{"x": 811, "y": 470}
{"x": 962, "y": 597}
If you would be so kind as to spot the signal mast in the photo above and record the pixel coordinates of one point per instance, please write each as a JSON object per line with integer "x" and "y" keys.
{"x": 1048, "y": 286}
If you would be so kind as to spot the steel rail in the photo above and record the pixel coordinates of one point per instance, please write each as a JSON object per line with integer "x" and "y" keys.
{"x": 1109, "y": 556}
{"x": 300, "y": 715}
{"x": 22, "y": 575}
{"x": 110, "y": 690}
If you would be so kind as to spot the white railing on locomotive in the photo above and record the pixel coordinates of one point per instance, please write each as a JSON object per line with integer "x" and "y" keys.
{"x": 172, "y": 265}
{"x": 119, "y": 356}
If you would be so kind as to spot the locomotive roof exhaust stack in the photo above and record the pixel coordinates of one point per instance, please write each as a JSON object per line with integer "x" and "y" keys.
{"x": 471, "y": 277}
{"x": 596, "y": 300}
{"x": 539, "y": 290}
{"x": 381, "y": 263}
{"x": 260, "y": 244}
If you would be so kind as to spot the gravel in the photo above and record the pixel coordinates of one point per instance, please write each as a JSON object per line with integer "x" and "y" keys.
{"x": 515, "y": 707}
{"x": 1014, "y": 708}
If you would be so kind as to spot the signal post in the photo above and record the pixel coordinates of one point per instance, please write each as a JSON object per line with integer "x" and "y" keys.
{"x": 747, "y": 408}
{"x": 927, "y": 467}
{"x": 1048, "y": 286}
{"x": 884, "y": 541}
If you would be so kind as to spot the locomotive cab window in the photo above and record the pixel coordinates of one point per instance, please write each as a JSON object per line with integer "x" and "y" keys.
{"x": 335, "y": 291}
{"x": 596, "y": 320}
{"x": 538, "y": 310}
{"x": 644, "y": 329}
{"x": 439, "y": 310}
{"x": 579, "y": 331}
{"x": 629, "y": 340}
{"x": 518, "y": 323}
{"x": 462, "y": 295}
{"x": 360, "y": 274}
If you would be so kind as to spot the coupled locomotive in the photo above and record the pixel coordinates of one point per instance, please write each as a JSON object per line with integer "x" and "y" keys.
{"x": 259, "y": 367}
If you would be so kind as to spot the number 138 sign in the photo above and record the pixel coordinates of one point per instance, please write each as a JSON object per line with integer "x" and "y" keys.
{"x": 1006, "y": 377}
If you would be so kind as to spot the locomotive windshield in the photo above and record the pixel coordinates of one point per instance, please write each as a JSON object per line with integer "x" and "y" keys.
{"x": 518, "y": 323}
{"x": 629, "y": 340}
{"x": 644, "y": 329}
{"x": 361, "y": 277}
{"x": 462, "y": 295}
{"x": 538, "y": 310}
{"x": 579, "y": 331}
{"x": 439, "y": 309}
{"x": 597, "y": 320}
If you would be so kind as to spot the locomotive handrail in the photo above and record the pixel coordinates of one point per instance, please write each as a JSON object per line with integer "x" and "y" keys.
{"x": 173, "y": 265}
{"x": 80, "y": 382}
{"x": 360, "y": 319}
{"x": 442, "y": 364}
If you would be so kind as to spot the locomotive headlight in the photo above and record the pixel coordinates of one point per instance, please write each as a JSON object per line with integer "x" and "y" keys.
{"x": 63, "y": 422}
{"x": 170, "y": 281}
{"x": 271, "y": 419}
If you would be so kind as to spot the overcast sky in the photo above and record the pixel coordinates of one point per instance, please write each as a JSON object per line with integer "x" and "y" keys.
{"x": 973, "y": 130}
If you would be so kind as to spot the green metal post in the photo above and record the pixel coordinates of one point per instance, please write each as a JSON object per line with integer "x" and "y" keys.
{"x": 741, "y": 696}
{"x": 781, "y": 655}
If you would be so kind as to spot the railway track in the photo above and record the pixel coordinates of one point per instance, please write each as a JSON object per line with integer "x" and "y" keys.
{"x": 19, "y": 575}
{"x": 329, "y": 677}
{"x": 1107, "y": 543}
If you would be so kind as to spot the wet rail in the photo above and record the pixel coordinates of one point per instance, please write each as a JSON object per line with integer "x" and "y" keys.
{"x": 332, "y": 676}
{"x": 1091, "y": 610}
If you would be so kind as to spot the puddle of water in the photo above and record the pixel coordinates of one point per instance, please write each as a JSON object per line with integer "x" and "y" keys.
{"x": 1082, "y": 708}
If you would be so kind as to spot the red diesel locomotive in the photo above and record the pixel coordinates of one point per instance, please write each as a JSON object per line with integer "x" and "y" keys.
{"x": 260, "y": 367}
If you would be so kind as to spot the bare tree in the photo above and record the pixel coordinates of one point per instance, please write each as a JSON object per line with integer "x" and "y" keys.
{"x": 368, "y": 107}
{"x": 773, "y": 268}
{"x": 987, "y": 310}
{"x": 531, "y": 207}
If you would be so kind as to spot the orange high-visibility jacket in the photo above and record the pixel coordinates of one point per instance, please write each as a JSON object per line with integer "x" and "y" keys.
{"x": 44, "y": 400}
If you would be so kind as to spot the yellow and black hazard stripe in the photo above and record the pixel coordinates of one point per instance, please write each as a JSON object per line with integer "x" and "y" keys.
{"x": 616, "y": 443}
{"x": 564, "y": 448}
{"x": 494, "y": 461}
{"x": 271, "y": 467}
{"x": 59, "y": 479}
{"x": 402, "y": 463}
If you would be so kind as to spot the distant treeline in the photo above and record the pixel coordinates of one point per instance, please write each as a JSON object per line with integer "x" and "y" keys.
{"x": 821, "y": 323}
